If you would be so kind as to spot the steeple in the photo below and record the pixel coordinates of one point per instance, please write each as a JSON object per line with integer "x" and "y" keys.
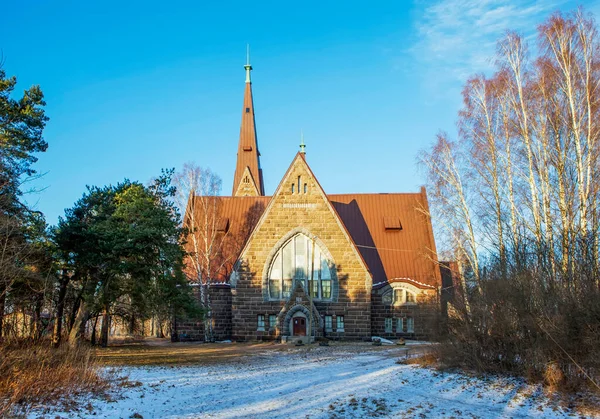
{"x": 248, "y": 180}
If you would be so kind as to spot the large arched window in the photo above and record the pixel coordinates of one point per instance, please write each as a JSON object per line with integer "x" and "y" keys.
{"x": 293, "y": 262}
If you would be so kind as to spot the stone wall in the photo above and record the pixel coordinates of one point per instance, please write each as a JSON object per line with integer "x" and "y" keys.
{"x": 193, "y": 329}
{"x": 309, "y": 213}
{"x": 425, "y": 313}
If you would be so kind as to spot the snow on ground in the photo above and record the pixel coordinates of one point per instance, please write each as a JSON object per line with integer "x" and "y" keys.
{"x": 323, "y": 383}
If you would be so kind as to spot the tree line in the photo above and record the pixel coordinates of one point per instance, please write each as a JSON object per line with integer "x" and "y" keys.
{"x": 117, "y": 252}
{"x": 515, "y": 203}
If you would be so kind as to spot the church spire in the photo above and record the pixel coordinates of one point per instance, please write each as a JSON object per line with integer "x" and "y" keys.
{"x": 247, "y": 180}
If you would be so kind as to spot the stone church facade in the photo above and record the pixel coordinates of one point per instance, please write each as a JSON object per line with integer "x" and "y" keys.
{"x": 303, "y": 263}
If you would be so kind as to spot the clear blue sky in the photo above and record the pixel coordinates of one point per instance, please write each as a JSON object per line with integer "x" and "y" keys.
{"x": 133, "y": 87}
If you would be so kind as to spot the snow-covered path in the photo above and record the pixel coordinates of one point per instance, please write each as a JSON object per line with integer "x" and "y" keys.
{"x": 319, "y": 384}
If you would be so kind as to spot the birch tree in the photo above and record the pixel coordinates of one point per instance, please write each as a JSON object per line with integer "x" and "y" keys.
{"x": 198, "y": 192}
{"x": 517, "y": 193}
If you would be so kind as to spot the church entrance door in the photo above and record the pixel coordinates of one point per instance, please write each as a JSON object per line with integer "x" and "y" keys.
{"x": 299, "y": 326}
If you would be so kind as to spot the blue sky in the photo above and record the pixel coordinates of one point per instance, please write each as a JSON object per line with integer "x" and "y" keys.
{"x": 133, "y": 87}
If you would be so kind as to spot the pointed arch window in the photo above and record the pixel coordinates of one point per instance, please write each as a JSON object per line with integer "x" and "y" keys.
{"x": 293, "y": 262}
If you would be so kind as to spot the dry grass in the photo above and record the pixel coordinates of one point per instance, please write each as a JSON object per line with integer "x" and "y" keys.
{"x": 34, "y": 374}
{"x": 428, "y": 360}
{"x": 152, "y": 351}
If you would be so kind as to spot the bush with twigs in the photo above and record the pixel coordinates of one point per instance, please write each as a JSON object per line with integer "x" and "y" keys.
{"x": 37, "y": 375}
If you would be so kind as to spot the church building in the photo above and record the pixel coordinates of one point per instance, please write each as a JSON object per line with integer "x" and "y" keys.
{"x": 304, "y": 262}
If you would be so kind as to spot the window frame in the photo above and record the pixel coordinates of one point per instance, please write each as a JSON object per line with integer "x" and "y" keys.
{"x": 388, "y": 325}
{"x": 328, "y": 323}
{"x": 400, "y": 325}
{"x": 410, "y": 324}
{"x": 403, "y": 300}
{"x": 272, "y": 324}
{"x": 260, "y": 318}
{"x": 399, "y": 297}
{"x": 321, "y": 287}
{"x": 339, "y": 323}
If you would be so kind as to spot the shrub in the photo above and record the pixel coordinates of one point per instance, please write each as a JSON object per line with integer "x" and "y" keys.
{"x": 34, "y": 374}
{"x": 528, "y": 326}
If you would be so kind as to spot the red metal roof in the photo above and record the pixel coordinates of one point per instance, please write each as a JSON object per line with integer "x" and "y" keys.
{"x": 237, "y": 217}
{"x": 393, "y": 254}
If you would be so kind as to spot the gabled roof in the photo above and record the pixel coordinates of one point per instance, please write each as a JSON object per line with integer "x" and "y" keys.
{"x": 393, "y": 234}
{"x": 237, "y": 216}
{"x": 391, "y": 255}
{"x": 300, "y": 161}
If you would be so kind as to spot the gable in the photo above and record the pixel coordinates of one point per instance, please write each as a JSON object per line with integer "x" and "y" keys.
{"x": 300, "y": 202}
{"x": 247, "y": 185}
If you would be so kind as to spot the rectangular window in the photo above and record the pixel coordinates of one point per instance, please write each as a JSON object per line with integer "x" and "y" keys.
{"x": 287, "y": 288}
{"x": 313, "y": 261}
{"x": 340, "y": 324}
{"x": 410, "y": 297}
{"x": 326, "y": 288}
{"x": 388, "y": 325}
{"x": 314, "y": 286}
{"x": 261, "y": 323}
{"x": 275, "y": 288}
{"x": 272, "y": 321}
{"x": 399, "y": 325}
{"x": 325, "y": 273}
{"x": 288, "y": 262}
{"x": 328, "y": 323}
{"x": 398, "y": 296}
{"x": 300, "y": 242}
{"x": 410, "y": 325}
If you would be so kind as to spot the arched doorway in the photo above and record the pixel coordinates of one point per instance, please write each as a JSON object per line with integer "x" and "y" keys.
{"x": 296, "y": 324}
